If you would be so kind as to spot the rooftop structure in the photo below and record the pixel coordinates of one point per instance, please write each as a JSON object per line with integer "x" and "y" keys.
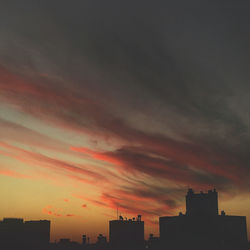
{"x": 202, "y": 203}
{"x": 126, "y": 234}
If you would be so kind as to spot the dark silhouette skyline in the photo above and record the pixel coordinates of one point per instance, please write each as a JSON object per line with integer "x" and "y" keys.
{"x": 15, "y": 233}
{"x": 201, "y": 227}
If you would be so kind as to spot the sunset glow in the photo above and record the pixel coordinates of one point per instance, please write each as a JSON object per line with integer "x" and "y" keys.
{"x": 98, "y": 115}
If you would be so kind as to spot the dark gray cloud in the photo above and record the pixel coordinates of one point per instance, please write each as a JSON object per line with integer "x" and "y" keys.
{"x": 153, "y": 70}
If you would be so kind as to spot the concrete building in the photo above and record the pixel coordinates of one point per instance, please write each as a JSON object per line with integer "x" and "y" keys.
{"x": 202, "y": 227}
{"x": 126, "y": 234}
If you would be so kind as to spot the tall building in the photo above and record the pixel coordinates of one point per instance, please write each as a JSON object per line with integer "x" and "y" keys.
{"x": 202, "y": 227}
{"x": 126, "y": 234}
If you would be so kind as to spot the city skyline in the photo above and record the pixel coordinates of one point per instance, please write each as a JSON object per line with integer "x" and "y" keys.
{"x": 122, "y": 105}
{"x": 196, "y": 204}
{"x": 201, "y": 226}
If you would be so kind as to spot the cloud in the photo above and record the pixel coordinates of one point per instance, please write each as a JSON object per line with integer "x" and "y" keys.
{"x": 57, "y": 212}
{"x": 50, "y": 210}
{"x": 14, "y": 174}
{"x": 175, "y": 161}
{"x": 196, "y": 155}
{"x": 14, "y": 132}
{"x": 153, "y": 88}
{"x": 68, "y": 169}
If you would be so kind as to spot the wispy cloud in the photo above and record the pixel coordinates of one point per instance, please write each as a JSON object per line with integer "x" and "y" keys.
{"x": 13, "y": 173}
{"x": 145, "y": 104}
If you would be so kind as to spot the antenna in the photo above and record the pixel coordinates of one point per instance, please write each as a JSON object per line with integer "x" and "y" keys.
{"x": 117, "y": 213}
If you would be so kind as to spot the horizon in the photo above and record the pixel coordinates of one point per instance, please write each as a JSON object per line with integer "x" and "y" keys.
{"x": 119, "y": 217}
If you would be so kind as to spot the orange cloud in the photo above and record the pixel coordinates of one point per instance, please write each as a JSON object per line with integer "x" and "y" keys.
{"x": 57, "y": 212}
{"x": 140, "y": 154}
{"x": 50, "y": 210}
{"x": 14, "y": 174}
{"x": 140, "y": 160}
{"x": 55, "y": 164}
{"x": 84, "y": 115}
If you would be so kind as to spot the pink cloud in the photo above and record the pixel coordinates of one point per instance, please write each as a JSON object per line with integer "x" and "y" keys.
{"x": 154, "y": 155}
{"x": 57, "y": 212}
{"x": 12, "y": 173}
{"x": 57, "y": 165}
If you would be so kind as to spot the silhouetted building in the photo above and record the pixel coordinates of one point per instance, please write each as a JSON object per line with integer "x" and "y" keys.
{"x": 65, "y": 242}
{"x": 84, "y": 240}
{"x": 17, "y": 234}
{"x": 201, "y": 227}
{"x": 11, "y": 233}
{"x": 153, "y": 242}
{"x": 101, "y": 243}
{"x": 38, "y": 232}
{"x": 202, "y": 203}
{"x": 101, "y": 240}
{"x": 126, "y": 234}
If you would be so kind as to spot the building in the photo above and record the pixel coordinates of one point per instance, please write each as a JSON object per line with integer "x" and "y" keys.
{"x": 126, "y": 234}
{"x": 66, "y": 244}
{"x": 101, "y": 243}
{"x": 202, "y": 203}
{"x": 37, "y": 232}
{"x": 101, "y": 240}
{"x": 84, "y": 239}
{"x": 202, "y": 227}
{"x": 16, "y": 234}
{"x": 11, "y": 233}
{"x": 153, "y": 242}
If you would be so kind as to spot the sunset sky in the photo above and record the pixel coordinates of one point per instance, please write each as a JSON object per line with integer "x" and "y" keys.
{"x": 122, "y": 104}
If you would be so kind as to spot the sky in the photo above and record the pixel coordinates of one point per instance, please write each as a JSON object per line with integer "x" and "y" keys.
{"x": 122, "y": 105}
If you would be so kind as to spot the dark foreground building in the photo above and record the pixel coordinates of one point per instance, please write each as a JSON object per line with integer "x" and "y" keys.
{"x": 126, "y": 234}
{"x": 18, "y": 234}
{"x": 202, "y": 227}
